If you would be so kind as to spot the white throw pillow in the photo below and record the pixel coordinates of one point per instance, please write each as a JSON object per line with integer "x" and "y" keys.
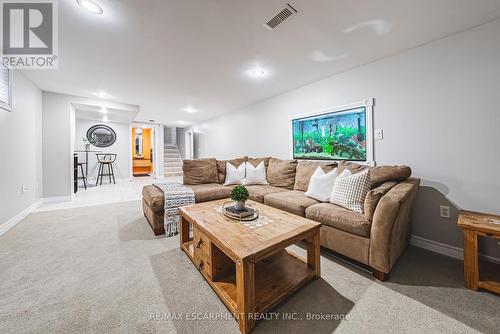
{"x": 234, "y": 175}
{"x": 349, "y": 190}
{"x": 255, "y": 175}
{"x": 321, "y": 184}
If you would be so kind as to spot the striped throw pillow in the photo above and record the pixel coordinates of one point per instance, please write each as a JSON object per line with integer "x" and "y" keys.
{"x": 349, "y": 190}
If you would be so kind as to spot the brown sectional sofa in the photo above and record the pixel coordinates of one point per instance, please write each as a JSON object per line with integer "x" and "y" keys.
{"x": 375, "y": 238}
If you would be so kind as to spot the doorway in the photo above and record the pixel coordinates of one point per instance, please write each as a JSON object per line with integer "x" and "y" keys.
{"x": 143, "y": 148}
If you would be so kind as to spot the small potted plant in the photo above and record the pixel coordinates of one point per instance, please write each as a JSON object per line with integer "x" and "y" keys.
{"x": 239, "y": 195}
{"x": 86, "y": 143}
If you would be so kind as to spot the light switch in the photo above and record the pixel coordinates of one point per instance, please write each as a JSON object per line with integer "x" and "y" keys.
{"x": 379, "y": 134}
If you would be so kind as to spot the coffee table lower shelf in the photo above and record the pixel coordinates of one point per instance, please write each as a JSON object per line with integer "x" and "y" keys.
{"x": 251, "y": 271}
{"x": 276, "y": 277}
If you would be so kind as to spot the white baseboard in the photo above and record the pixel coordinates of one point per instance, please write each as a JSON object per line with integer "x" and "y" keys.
{"x": 57, "y": 199}
{"x": 19, "y": 217}
{"x": 444, "y": 249}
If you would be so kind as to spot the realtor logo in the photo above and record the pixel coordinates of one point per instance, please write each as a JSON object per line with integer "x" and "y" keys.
{"x": 29, "y": 34}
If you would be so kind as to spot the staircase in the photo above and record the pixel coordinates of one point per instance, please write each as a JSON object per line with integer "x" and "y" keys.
{"x": 172, "y": 161}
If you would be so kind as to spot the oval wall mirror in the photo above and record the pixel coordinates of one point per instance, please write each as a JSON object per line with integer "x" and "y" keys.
{"x": 101, "y": 135}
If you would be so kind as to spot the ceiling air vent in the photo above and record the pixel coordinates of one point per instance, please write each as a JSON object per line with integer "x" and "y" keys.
{"x": 280, "y": 17}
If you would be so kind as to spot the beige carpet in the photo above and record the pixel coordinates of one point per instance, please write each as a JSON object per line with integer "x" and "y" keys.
{"x": 100, "y": 270}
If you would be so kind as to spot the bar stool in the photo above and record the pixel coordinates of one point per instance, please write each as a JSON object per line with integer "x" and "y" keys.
{"x": 105, "y": 159}
{"x": 83, "y": 177}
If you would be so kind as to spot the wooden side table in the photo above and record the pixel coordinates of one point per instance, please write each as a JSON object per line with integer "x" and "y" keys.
{"x": 476, "y": 224}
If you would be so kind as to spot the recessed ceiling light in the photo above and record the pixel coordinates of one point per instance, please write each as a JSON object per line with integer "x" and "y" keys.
{"x": 190, "y": 110}
{"x": 257, "y": 73}
{"x": 104, "y": 110}
{"x": 90, "y": 6}
{"x": 105, "y": 119}
{"x": 102, "y": 95}
{"x": 181, "y": 122}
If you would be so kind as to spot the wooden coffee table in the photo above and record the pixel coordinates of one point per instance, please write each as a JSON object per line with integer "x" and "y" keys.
{"x": 248, "y": 266}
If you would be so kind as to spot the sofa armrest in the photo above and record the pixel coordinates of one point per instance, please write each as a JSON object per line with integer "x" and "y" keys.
{"x": 374, "y": 196}
{"x": 391, "y": 227}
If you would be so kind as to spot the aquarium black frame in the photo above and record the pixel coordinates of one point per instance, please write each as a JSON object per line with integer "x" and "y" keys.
{"x": 367, "y": 104}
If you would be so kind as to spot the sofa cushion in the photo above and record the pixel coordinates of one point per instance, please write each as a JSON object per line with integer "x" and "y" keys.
{"x": 350, "y": 190}
{"x": 321, "y": 185}
{"x": 343, "y": 219}
{"x": 221, "y": 167}
{"x": 374, "y": 196}
{"x": 210, "y": 192}
{"x": 281, "y": 173}
{"x": 305, "y": 169}
{"x": 255, "y": 175}
{"x": 234, "y": 174}
{"x": 293, "y": 201}
{"x": 381, "y": 174}
{"x": 199, "y": 171}
{"x": 256, "y": 161}
{"x": 202, "y": 192}
{"x": 257, "y": 192}
{"x": 353, "y": 167}
{"x": 154, "y": 198}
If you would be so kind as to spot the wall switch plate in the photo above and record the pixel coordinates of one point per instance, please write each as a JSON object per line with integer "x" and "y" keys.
{"x": 379, "y": 134}
{"x": 444, "y": 211}
{"x": 24, "y": 188}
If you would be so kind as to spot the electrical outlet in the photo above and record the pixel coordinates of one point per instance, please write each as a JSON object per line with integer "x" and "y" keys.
{"x": 379, "y": 134}
{"x": 24, "y": 188}
{"x": 444, "y": 211}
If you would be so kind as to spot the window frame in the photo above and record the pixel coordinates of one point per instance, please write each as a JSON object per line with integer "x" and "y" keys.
{"x": 368, "y": 104}
{"x": 8, "y": 106}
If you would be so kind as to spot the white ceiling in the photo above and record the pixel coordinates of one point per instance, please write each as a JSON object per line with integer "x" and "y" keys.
{"x": 96, "y": 112}
{"x": 165, "y": 55}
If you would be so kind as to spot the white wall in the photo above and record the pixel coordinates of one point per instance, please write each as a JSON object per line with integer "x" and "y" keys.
{"x": 181, "y": 141}
{"x": 167, "y": 135}
{"x": 121, "y": 147}
{"x": 437, "y": 105}
{"x": 59, "y": 139}
{"x": 20, "y": 150}
{"x": 170, "y": 135}
{"x": 56, "y": 146}
{"x": 159, "y": 150}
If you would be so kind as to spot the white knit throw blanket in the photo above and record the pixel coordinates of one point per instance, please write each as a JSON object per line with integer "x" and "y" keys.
{"x": 176, "y": 195}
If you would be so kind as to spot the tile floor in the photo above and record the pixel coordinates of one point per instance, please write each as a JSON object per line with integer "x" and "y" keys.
{"x": 122, "y": 191}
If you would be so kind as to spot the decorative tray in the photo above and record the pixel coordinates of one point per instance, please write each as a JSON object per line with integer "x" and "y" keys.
{"x": 239, "y": 217}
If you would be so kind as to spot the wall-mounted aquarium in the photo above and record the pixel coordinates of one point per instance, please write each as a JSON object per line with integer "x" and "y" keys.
{"x": 337, "y": 134}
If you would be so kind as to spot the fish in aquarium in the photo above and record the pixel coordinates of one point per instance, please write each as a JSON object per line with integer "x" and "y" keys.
{"x": 331, "y": 136}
